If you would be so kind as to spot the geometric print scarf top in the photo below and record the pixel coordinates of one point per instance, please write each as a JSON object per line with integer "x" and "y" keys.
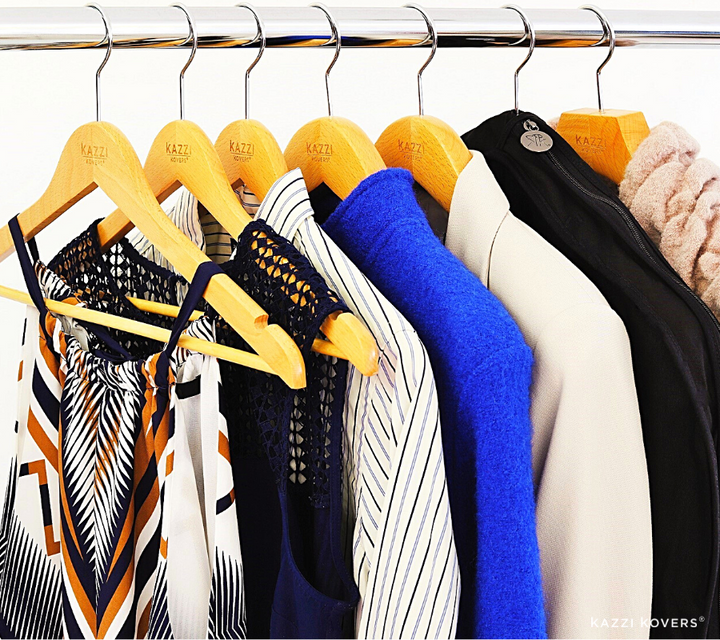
{"x": 106, "y": 433}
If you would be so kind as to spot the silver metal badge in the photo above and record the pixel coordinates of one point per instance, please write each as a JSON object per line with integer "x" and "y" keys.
{"x": 537, "y": 141}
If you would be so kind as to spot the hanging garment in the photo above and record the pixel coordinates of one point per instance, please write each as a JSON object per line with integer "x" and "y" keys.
{"x": 590, "y": 474}
{"x": 114, "y": 449}
{"x": 675, "y": 346}
{"x": 286, "y": 447}
{"x": 286, "y": 453}
{"x": 483, "y": 373}
{"x": 30, "y": 573}
{"x": 675, "y": 195}
{"x": 206, "y": 592}
{"x": 397, "y": 522}
{"x": 105, "y": 279}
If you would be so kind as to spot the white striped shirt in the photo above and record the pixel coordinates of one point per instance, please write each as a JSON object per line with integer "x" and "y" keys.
{"x": 397, "y": 513}
{"x": 198, "y": 224}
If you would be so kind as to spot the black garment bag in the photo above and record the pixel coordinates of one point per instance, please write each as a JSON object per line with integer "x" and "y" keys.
{"x": 675, "y": 341}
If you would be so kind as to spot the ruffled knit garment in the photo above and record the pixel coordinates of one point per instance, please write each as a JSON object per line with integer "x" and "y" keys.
{"x": 676, "y": 198}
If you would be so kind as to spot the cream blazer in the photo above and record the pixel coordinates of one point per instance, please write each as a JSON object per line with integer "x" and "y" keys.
{"x": 590, "y": 475}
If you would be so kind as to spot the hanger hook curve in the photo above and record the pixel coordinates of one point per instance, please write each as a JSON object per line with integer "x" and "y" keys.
{"x": 432, "y": 35}
{"x": 194, "y": 37}
{"x": 529, "y": 33}
{"x": 263, "y": 41}
{"x": 337, "y": 38}
{"x": 609, "y": 35}
{"x": 109, "y": 38}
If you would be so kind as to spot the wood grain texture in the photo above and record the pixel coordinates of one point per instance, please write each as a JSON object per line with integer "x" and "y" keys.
{"x": 251, "y": 155}
{"x": 183, "y": 155}
{"x": 97, "y": 154}
{"x": 333, "y": 151}
{"x": 605, "y": 140}
{"x": 430, "y": 149}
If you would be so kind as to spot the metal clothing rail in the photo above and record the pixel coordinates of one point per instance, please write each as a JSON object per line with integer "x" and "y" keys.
{"x": 72, "y": 28}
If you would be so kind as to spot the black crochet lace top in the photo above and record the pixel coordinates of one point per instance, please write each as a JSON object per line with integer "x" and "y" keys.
{"x": 104, "y": 280}
{"x": 294, "y": 429}
{"x": 297, "y": 428}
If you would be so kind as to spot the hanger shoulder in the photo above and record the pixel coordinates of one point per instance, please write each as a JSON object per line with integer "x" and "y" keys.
{"x": 334, "y": 151}
{"x": 430, "y": 149}
{"x": 183, "y": 154}
{"x": 93, "y": 150}
{"x": 606, "y": 140}
{"x": 251, "y": 155}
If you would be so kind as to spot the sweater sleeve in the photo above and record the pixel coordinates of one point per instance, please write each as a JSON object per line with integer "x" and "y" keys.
{"x": 507, "y": 582}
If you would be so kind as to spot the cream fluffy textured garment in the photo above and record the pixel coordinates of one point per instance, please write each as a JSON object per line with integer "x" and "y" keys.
{"x": 676, "y": 198}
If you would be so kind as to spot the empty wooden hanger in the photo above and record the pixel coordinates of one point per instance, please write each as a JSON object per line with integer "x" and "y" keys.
{"x": 426, "y": 146}
{"x": 332, "y": 150}
{"x": 605, "y": 138}
{"x": 97, "y": 154}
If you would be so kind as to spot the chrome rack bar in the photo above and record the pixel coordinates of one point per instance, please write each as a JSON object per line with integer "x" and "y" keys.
{"x": 79, "y": 27}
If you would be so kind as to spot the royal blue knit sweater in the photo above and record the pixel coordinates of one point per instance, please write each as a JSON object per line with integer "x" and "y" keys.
{"x": 482, "y": 369}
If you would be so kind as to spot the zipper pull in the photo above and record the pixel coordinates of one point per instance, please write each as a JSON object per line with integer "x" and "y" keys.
{"x": 535, "y": 140}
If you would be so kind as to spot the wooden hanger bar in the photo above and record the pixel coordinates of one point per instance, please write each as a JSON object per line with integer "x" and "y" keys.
{"x": 358, "y": 344}
{"x": 143, "y": 329}
{"x": 319, "y": 346}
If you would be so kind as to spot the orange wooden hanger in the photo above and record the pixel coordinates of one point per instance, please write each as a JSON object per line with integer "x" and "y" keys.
{"x": 248, "y": 151}
{"x": 97, "y": 154}
{"x": 428, "y": 147}
{"x": 333, "y": 150}
{"x": 605, "y": 138}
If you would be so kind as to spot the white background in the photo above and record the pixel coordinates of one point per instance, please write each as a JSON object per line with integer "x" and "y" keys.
{"x": 46, "y": 95}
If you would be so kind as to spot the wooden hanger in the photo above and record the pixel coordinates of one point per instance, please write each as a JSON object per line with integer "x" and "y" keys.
{"x": 249, "y": 153}
{"x": 605, "y": 138}
{"x": 319, "y": 346}
{"x": 333, "y": 150}
{"x": 182, "y": 154}
{"x": 99, "y": 155}
{"x": 426, "y": 146}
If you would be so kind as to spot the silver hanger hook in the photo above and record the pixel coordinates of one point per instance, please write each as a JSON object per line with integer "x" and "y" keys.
{"x": 609, "y": 35}
{"x": 263, "y": 41}
{"x": 109, "y": 38}
{"x": 337, "y": 38}
{"x": 432, "y": 35}
{"x": 529, "y": 33}
{"x": 194, "y": 37}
